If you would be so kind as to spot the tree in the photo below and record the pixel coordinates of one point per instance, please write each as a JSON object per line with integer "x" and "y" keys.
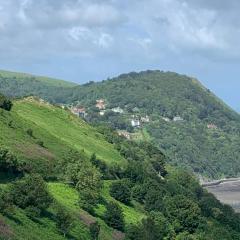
{"x": 8, "y": 162}
{"x": 94, "y": 230}
{"x": 64, "y": 220}
{"x": 85, "y": 177}
{"x": 31, "y": 191}
{"x": 114, "y": 216}
{"x": 120, "y": 191}
{"x": 184, "y": 214}
{"x": 5, "y": 103}
{"x": 6, "y": 204}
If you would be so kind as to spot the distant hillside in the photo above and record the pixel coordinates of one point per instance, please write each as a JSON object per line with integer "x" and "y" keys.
{"x": 21, "y": 84}
{"x": 189, "y": 123}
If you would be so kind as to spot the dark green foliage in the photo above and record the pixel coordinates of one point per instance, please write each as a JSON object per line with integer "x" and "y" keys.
{"x": 5, "y": 103}
{"x": 94, "y": 230}
{"x": 6, "y": 203}
{"x": 114, "y": 216}
{"x": 8, "y": 162}
{"x": 33, "y": 212}
{"x": 31, "y": 191}
{"x": 80, "y": 172}
{"x": 30, "y": 132}
{"x": 155, "y": 227}
{"x": 121, "y": 191}
{"x": 184, "y": 214}
{"x": 187, "y": 211}
{"x": 40, "y": 143}
{"x": 64, "y": 220}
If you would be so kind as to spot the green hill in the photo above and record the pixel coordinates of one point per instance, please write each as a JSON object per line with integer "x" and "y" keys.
{"x": 193, "y": 127}
{"x": 21, "y": 84}
{"x": 63, "y": 179}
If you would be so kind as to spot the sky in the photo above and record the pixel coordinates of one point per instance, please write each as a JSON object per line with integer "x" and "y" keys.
{"x": 91, "y": 40}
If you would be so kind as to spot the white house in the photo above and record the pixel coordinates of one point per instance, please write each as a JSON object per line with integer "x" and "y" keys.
{"x": 135, "y": 123}
{"x": 145, "y": 119}
{"x": 117, "y": 110}
{"x": 166, "y": 119}
{"x": 177, "y": 119}
{"x": 102, "y": 112}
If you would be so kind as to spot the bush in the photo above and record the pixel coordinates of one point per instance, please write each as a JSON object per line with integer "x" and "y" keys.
{"x": 114, "y": 216}
{"x": 32, "y": 212}
{"x": 6, "y": 203}
{"x": 94, "y": 230}
{"x": 31, "y": 191}
{"x": 64, "y": 221}
{"x": 8, "y": 162}
{"x": 40, "y": 143}
{"x": 30, "y": 132}
{"x": 120, "y": 191}
{"x": 5, "y": 103}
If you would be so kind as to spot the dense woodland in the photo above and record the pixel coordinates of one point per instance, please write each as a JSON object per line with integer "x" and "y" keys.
{"x": 136, "y": 197}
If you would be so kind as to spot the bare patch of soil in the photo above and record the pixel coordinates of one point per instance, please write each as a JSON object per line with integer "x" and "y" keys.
{"x": 35, "y": 151}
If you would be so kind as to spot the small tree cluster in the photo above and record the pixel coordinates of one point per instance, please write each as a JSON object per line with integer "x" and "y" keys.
{"x": 114, "y": 216}
{"x": 64, "y": 220}
{"x": 121, "y": 191}
{"x": 31, "y": 193}
{"x": 5, "y": 103}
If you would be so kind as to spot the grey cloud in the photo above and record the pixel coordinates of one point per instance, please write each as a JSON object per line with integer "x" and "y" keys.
{"x": 124, "y": 29}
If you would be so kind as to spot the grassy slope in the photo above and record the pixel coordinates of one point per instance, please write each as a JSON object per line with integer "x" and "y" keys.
{"x": 58, "y": 129}
{"x": 44, "y": 228}
{"x": 27, "y": 78}
{"x": 133, "y": 214}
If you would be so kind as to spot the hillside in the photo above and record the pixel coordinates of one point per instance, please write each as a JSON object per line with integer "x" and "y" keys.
{"x": 63, "y": 179}
{"x": 21, "y": 84}
{"x": 36, "y": 130}
{"x": 193, "y": 127}
{"x": 185, "y": 120}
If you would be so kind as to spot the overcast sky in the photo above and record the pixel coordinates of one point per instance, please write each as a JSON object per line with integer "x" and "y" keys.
{"x": 83, "y": 40}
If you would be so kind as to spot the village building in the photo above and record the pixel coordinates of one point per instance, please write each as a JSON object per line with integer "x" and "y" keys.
{"x": 79, "y": 111}
{"x": 135, "y": 123}
{"x": 102, "y": 112}
{"x": 212, "y": 126}
{"x": 117, "y": 110}
{"x": 166, "y": 119}
{"x": 177, "y": 119}
{"x": 125, "y": 134}
{"x": 145, "y": 119}
{"x": 100, "y": 104}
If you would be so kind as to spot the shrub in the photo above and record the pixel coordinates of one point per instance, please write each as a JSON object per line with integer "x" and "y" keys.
{"x": 64, "y": 221}
{"x": 40, "y": 143}
{"x": 94, "y": 230}
{"x": 114, "y": 216}
{"x": 121, "y": 192}
{"x": 30, "y": 132}
{"x": 5, "y": 103}
{"x": 31, "y": 191}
